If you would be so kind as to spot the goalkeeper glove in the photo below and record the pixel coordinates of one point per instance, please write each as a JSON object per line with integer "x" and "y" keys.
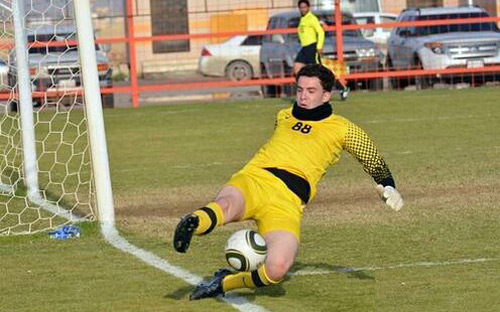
{"x": 390, "y": 196}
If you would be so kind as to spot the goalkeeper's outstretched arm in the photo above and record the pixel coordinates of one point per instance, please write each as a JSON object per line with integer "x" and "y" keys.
{"x": 358, "y": 144}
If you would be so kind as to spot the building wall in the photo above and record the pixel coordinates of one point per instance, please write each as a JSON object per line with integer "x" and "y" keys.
{"x": 225, "y": 16}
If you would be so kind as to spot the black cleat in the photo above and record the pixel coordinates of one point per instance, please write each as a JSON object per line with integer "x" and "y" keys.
{"x": 211, "y": 288}
{"x": 184, "y": 232}
{"x": 344, "y": 93}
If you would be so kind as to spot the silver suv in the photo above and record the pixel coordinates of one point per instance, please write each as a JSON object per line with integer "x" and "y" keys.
{"x": 442, "y": 46}
{"x": 278, "y": 51}
{"x": 56, "y": 68}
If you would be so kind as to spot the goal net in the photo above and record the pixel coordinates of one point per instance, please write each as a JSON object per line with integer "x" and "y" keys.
{"x": 45, "y": 155}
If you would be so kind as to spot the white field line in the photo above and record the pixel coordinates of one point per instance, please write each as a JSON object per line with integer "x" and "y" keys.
{"x": 6, "y": 189}
{"x": 458, "y": 149}
{"x": 113, "y": 237}
{"x": 374, "y": 121}
{"x": 242, "y": 304}
{"x": 439, "y": 118}
{"x": 38, "y": 200}
{"x": 193, "y": 166}
{"x": 168, "y": 112}
{"x": 57, "y": 210}
{"x": 43, "y": 203}
{"x": 180, "y": 111}
{"x": 217, "y": 163}
{"x": 339, "y": 269}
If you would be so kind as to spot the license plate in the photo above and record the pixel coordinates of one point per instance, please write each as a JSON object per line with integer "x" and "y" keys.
{"x": 475, "y": 63}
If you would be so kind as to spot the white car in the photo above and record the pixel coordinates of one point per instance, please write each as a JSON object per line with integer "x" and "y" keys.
{"x": 4, "y": 76}
{"x": 237, "y": 58}
{"x": 378, "y": 35}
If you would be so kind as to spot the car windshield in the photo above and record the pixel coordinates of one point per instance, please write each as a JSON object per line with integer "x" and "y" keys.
{"x": 328, "y": 20}
{"x": 442, "y": 29}
{"x": 44, "y": 49}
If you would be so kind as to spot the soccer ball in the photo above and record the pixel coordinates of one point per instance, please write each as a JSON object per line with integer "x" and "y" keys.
{"x": 245, "y": 250}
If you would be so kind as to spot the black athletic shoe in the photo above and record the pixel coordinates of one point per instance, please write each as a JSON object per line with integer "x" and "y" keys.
{"x": 211, "y": 288}
{"x": 184, "y": 232}
{"x": 344, "y": 93}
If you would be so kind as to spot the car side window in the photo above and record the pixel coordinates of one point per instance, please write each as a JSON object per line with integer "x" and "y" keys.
{"x": 397, "y": 30}
{"x": 404, "y": 31}
{"x": 52, "y": 49}
{"x": 412, "y": 30}
{"x": 292, "y": 23}
{"x": 442, "y": 29}
{"x": 369, "y": 20}
{"x": 282, "y": 23}
{"x": 367, "y": 32}
{"x": 387, "y": 19}
{"x": 270, "y": 25}
{"x": 252, "y": 41}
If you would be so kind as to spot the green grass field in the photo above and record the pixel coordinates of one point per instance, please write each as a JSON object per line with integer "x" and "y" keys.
{"x": 440, "y": 253}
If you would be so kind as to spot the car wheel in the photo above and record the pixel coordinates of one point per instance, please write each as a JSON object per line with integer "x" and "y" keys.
{"x": 268, "y": 91}
{"x": 108, "y": 100}
{"x": 396, "y": 82}
{"x": 389, "y": 67}
{"x": 289, "y": 90}
{"x": 239, "y": 71}
{"x": 422, "y": 82}
{"x": 376, "y": 84}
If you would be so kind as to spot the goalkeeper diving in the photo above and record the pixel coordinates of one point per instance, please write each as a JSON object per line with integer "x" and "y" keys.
{"x": 275, "y": 186}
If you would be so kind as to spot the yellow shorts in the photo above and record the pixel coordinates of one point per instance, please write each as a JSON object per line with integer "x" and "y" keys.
{"x": 268, "y": 201}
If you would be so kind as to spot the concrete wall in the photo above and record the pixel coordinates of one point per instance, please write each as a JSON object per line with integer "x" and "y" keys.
{"x": 225, "y": 16}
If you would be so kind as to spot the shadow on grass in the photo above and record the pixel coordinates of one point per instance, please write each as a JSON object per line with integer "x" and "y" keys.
{"x": 325, "y": 268}
{"x": 271, "y": 291}
{"x": 299, "y": 268}
{"x": 180, "y": 293}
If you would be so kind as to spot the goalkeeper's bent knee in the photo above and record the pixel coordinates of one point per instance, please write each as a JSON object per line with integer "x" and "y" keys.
{"x": 252, "y": 280}
{"x": 210, "y": 217}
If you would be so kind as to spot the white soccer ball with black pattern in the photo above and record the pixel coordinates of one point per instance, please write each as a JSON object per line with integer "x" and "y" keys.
{"x": 245, "y": 250}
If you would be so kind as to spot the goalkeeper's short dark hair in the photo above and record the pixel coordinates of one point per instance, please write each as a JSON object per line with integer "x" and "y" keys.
{"x": 325, "y": 76}
{"x": 304, "y": 1}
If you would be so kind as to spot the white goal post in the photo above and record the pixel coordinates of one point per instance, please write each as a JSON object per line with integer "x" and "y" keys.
{"x": 54, "y": 166}
{"x": 99, "y": 149}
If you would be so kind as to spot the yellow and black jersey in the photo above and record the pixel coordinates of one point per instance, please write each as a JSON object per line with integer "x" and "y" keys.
{"x": 306, "y": 142}
{"x": 310, "y": 31}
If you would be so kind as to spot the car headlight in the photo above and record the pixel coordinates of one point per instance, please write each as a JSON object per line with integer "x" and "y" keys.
{"x": 436, "y": 47}
{"x": 366, "y": 53}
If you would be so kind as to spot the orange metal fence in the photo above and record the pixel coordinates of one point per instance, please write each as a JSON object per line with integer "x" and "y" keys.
{"x": 140, "y": 71}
